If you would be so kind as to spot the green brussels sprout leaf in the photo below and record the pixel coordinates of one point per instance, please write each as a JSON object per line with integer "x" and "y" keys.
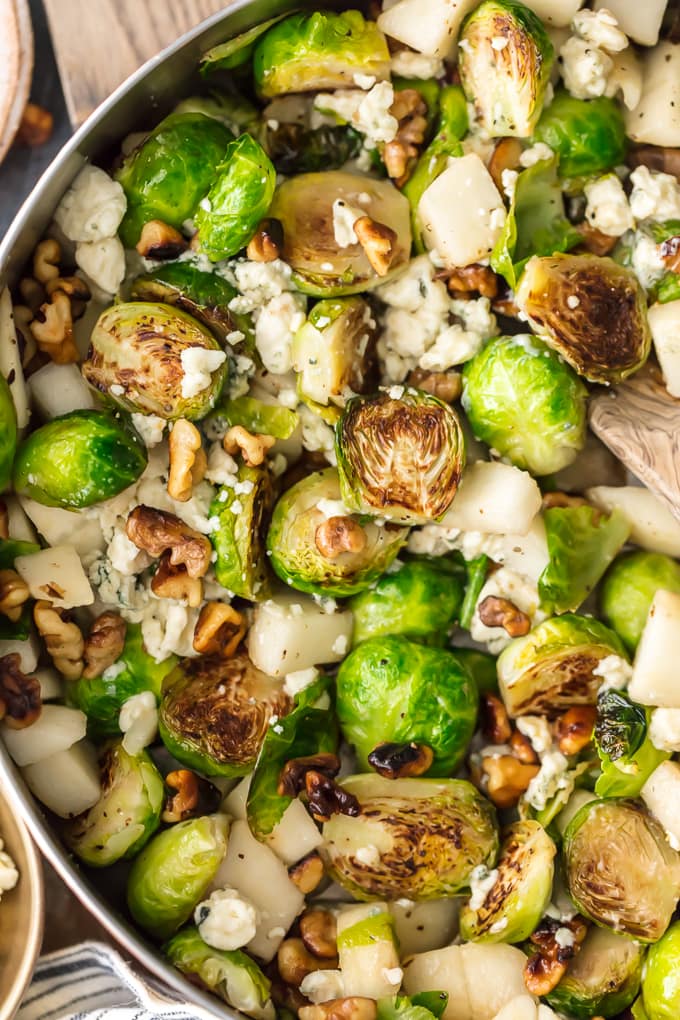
{"x": 426, "y": 1006}
{"x": 237, "y": 51}
{"x": 10, "y": 548}
{"x": 238, "y": 540}
{"x": 228, "y": 107}
{"x": 627, "y": 755}
{"x": 661, "y": 981}
{"x": 602, "y": 979}
{"x": 477, "y": 571}
{"x": 8, "y": 432}
{"x": 629, "y": 588}
{"x": 588, "y": 135}
{"x": 295, "y": 149}
{"x": 481, "y": 666}
{"x": 17, "y": 630}
{"x": 257, "y": 417}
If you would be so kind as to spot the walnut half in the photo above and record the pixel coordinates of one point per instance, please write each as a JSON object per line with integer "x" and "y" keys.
{"x": 104, "y": 644}
{"x": 20, "y": 699}
{"x": 157, "y": 532}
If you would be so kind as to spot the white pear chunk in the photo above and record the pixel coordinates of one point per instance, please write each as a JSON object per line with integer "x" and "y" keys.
{"x": 640, "y": 21}
{"x": 292, "y": 838}
{"x": 51, "y": 684}
{"x": 58, "y": 389}
{"x": 428, "y": 26}
{"x": 56, "y": 729}
{"x": 653, "y": 526}
{"x": 427, "y": 925}
{"x": 655, "y": 670}
{"x": 661, "y": 794}
{"x": 664, "y": 322}
{"x": 18, "y": 523}
{"x": 67, "y": 782}
{"x": 291, "y": 633}
{"x": 656, "y": 118}
{"x": 10, "y": 360}
{"x": 368, "y": 966}
{"x": 79, "y": 528}
{"x": 557, "y": 13}
{"x": 490, "y": 495}
{"x": 56, "y": 574}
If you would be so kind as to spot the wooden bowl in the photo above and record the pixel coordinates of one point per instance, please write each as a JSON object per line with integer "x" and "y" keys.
{"x": 16, "y": 67}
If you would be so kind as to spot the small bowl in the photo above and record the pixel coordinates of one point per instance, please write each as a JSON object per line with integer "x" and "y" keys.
{"x": 21, "y": 913}
{"x": 16, "y": 51}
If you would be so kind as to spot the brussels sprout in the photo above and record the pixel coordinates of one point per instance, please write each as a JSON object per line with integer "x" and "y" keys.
{"x": 591, "y": 311}
{"x": 553, "y": 667}
{"x": 323, "y": 50}
{"x": 231, "y": 975}
{"x": 431, "y": 834}
{"x": 602, "y": 979}
{"x": 630, "y": 586}
{"x": 257, "y": 417}
{"x": 296, "y": 149}
{"x": 391, "y": 690}
{"x": 237, "y": 51}
{"x": 516, "y": 901}
{"x": 173, "y": 873}
{"x": 214, "y": 713}
{"x": 334, "y": 351}
{"x": 79, "y": 459}
{"x": 240, "y": 197}
{"x": 139, "y": 357}
{"x": 588, "y": 135}
{"x": 400, "y": 456}
{"x": 620, "y": 869}
{"x": 481, "y": 666}
{"x": 477, "y": 572}
{"x": 229, "y": 108}
{"x": 125, "y": 816}
{"x": 421, "y": 600}
{"x": 101, "y": 698}
{"x": 169, "y": 173}
{"x": 426, "y": 1006}
{"x": 627, "y": 755}
{"x": 506, "y": 84}
{"x": 304, "y": 205}
{"x": 661, "y": 981}
{"x": 8, "y": 432}
{"x": 582, "y": 542}
{"x": 238, "y": 539}
{"x": 292, "y": 541}
{"x": 542, "y": 432}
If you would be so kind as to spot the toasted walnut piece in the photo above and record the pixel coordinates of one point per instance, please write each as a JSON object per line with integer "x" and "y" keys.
{"x": 52, "y": 329}
{"x": 266, "y": 244}
{"x": 656, "y": 157}
{"x": 4, "y": 520}
{"x": 104, "y": 644}
{"x": 188, "y": 461}
{"x": 14, "y": 593}
{"x": 595, "y": 240}
{"x": 499, "y": 612}
{"x": 156, "y": 531}
{"x": 472, "y": 279}
{"x": 219, "y": 630}
{"x": 494, "y": 719}
{"x": 543, "y": 973}
{"x": 574, "y": 729}
{"x": 670, "y": 253}
{"x": 325, "y": 798}
{"x": 33, "y": 294}
{"x": 36, "y": 126}
{"x": 20, "y": 699}
{"x": 319, "y": 933}
{"x": 193, "y": 797}
{"x": 253, "y": 448}
{"x": 307, "y": 873}
{"x": 448, "y": 386}
{"x": 562, "y": 500}
{"x": 46, "y": 259}
{"x": 546, "y": 967}
{"x": 72, "y": 286}
{"x": 293, "y": 774}
{"x": 354, "y": 1007}
{"x": 400, "y": 155}
{"x": 507, "y": 779}
{"x": 505, "y": 306}
{"x": 397, "y": 761}
{"x": 523, "y": 749}
{"x": 505, "y": 156}
{"x": 160, "y": 241}
{"x": 379, "y": 243}
{"x": 339, "y": 535}
{"x": 174, "y": 582}
{"x": 295, "y": 962}
{"x": 62, "y": 637}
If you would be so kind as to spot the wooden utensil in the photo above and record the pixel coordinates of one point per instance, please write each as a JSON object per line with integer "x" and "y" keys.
{"x": 16, "y": 67}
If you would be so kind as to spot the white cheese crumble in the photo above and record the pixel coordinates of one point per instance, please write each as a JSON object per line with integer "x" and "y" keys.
{"x": 509, "y": 183}
{"x": 222, "y": 469}
{"x": 607, "y": 208}
{"x": 114, "y": 670}
{"x": 93, "y": 207}
{"x": 616, "y": 673}
{"x": 600, "y": 28}
{"x": 537, "y": 730}
{"x": 585, "y": 68}
{"x": 316, "y": 434}
{"x": 9, "y": 876}
{"x": 368, "y": 855}
{"x": 344, "y": 218}
{"x": 150, "y": 428}
{"x": 368, "y": 112}
{"x": 535, "y": 154}
{"x": 664, "y": 729}
{"x": 323, "y": 986}
{"x": 276, "y": 326}
{"x": 655, "y": 196}
{"x": 332, "y": 508}
{"x": 393, "y": 975}
{"x": 340, "y": 645}
{"x": 408, "y": 64}
{"x": 646, "y": 261}
{"x": 300, "y": 680}
{"x": 482, "y": 882}
{"x": 521, "y": 591}
{"x": 124, "y": 555}
{"x": 550, "y": 779}
{"x": 226, "y": 920}
{"x": 103, "y": 262}
{"x": 198, "y": 365}
{"x": 564, "y": 937}
{"x": 138, "y": 721}
{"x": 258, "y": 283}
{"x": 168, "y": 628}
{"x": 364, "y": 81}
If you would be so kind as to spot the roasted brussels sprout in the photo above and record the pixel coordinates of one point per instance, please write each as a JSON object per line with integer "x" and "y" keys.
{"x": 621, "y": 871}
{"x": 8, "y": 432}
{"x": 304, "y": 205}
{"x": 237, "y": 51}
{"x": 296, "y": 149}
{"x": 591, "y": 311}
{"x": 258, "y": 417}
{"x": 400, "y": 455}
{"x": 430, "y": 835}
{"x": 238, "y": 539}
{"x": 510, "y": 910}
{"x": 306, "y": 52}
{"x": 627, "y": 755}
{"x": 239, "y": 198}
{"x": 214, "y": 713}
{"x": 507, "y": 83}
{"x": 391, "y": 690}
{"x": 173, "y": 872}
{"x": 421, "y": 600}
{"x": 629, "y": 588}
{"x": 342, "y": 562}
{"x": 334, "y": 352}
{"x": 661, "y": 981}
{"x": 542, "y": 432}
{"x": 553, "y": 667}
{"x": 229, "y": 108}
{"x": 588, "y": 135}
{"x": 602, "y": 979}
{"x": 481, "y": 666}
{"x": 125, "y": 816}
{"x": 232, "y": 975}
{"x": 79, "y": 459}
{"x": 155, "y": 359}
{"x": 169, "y": 173}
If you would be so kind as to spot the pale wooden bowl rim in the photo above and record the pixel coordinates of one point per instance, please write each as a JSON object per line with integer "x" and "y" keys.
{"x": 15, "y": 14}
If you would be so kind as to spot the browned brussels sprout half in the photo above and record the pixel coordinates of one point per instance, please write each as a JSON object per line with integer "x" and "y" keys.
{"x": 590, "y": 310}
{"x": 400, "y": 455}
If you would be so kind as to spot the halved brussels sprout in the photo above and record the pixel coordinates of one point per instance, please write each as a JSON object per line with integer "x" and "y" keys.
{"x": 400, "y": 455}
{"x": 334, "y": 352}
{"x": 239, "y": 198}
{"x": 505, "y": 60}
{"x": 523, "y": 401}
{"x": 229, "y": 108}
{"x": 214, "y": 713}
{"x": 661, "y": 981}
{"x": 590, "y": 310}
{"x": 304, "y": 561}
{"x": 510, "y": 910}
{"x": 429, "y": 836}
{"x": 552, "y": 668}
{"x": 79, "y": 459}
{"x": 125, "y": 816}
{"x": 8, "y": 433}
{"x": 621, "y": 871}
{"x": 322, "y": 50}
{"x": 173, "y": 873}
{"x": 296, "y": 149}
{"x": 602, "y": 979}
{"x": 231, "y": 975}
{"x": 139, "y": 357}
{"x": 258, "y": 417}
{"x": 304, "y": 205}
{"x": 169, "y": 173}
{"x": 588, "y": 135}
{"x": 391, "y": 690}
{"x": 238, "y": 540}
{"x": 629, "y": 588}
{"x": 627, "y": 755}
